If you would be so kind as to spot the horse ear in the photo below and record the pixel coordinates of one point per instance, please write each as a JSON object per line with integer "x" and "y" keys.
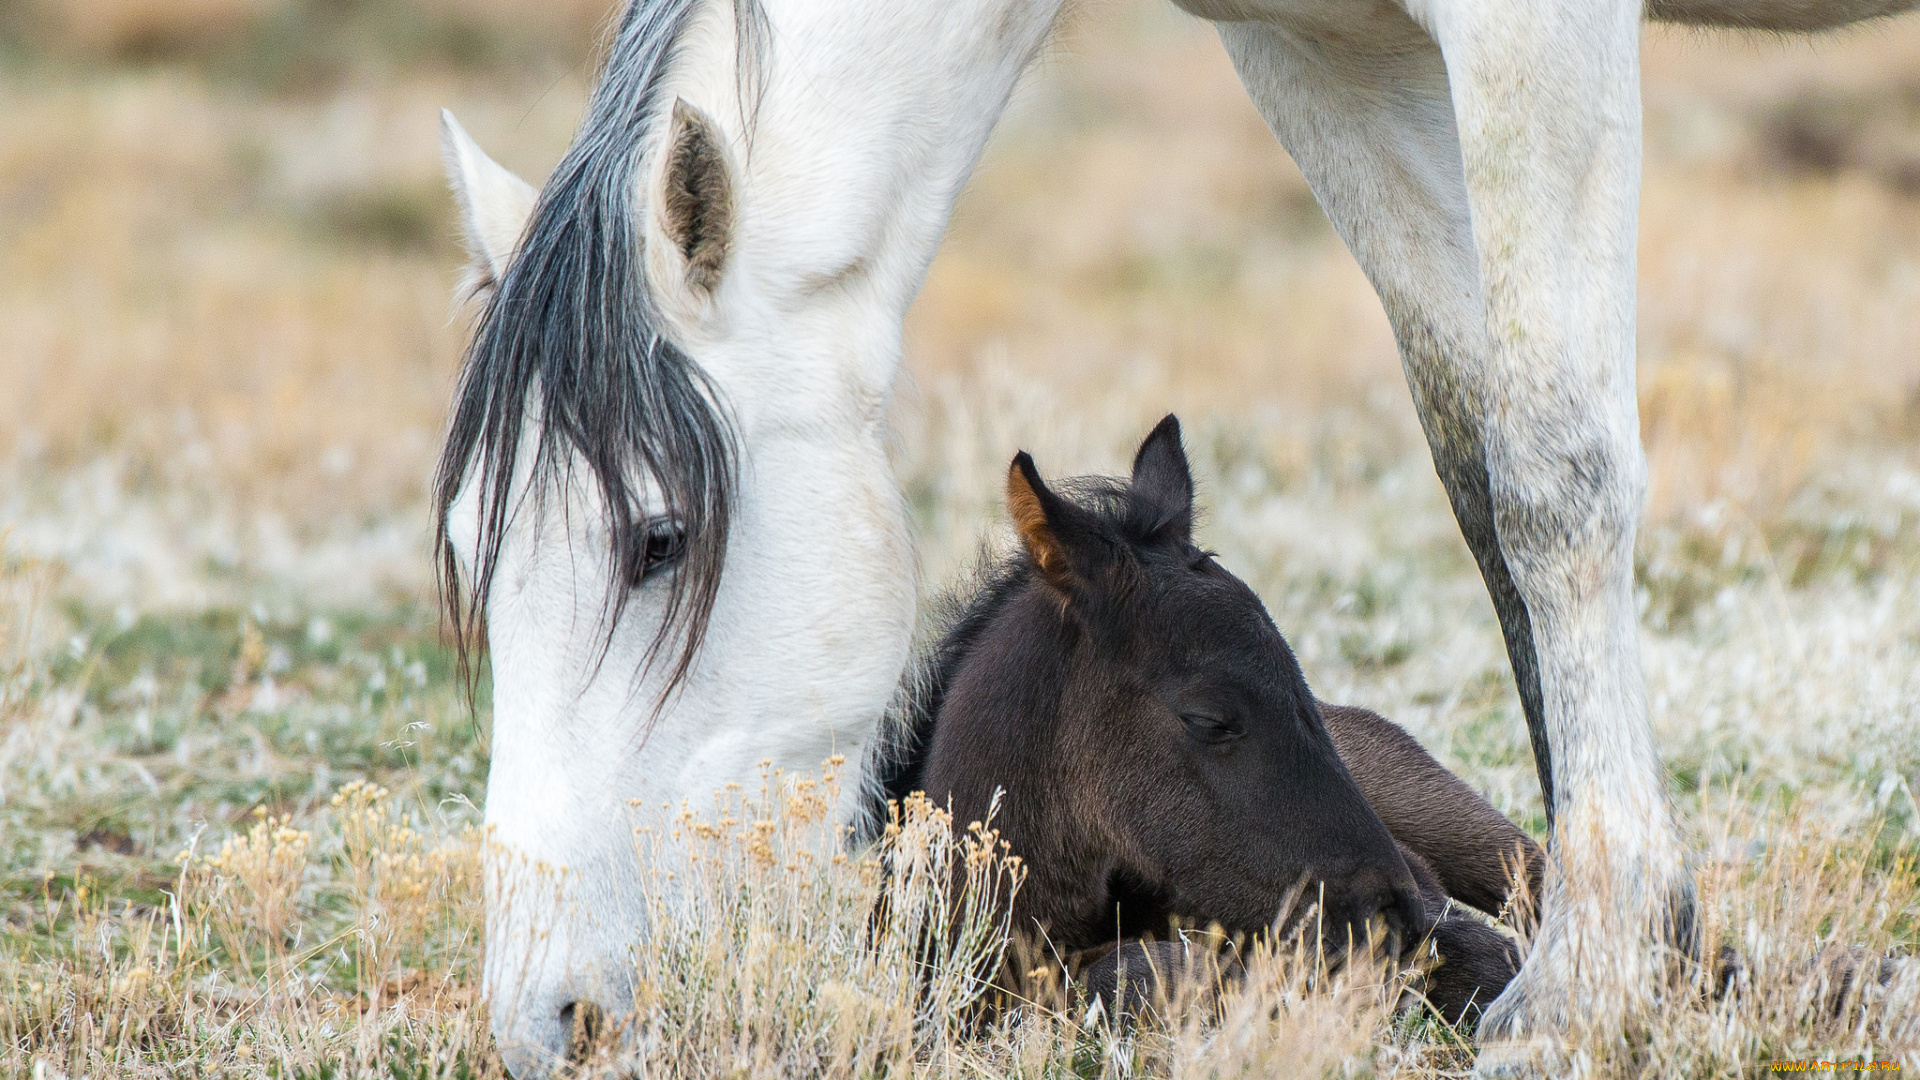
{"x": 1163, "y": 479}
{"x": 494, "y": 203}
{"x": 697, "y": 208}
{"x": 1036, "y": 514}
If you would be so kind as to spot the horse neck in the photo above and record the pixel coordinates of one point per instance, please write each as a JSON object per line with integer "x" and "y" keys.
{"x": 853, "y": 138}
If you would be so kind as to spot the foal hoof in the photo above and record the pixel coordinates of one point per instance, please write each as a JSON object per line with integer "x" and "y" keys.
{"x": 1130, "y": 982}
{"x": 1843, "y": 976}
{"x": 1515, "y": 1036}
{"x": 1476, "y": 962}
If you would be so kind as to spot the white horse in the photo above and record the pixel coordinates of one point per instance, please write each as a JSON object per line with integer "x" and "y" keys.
{"x": 665, "y": 495}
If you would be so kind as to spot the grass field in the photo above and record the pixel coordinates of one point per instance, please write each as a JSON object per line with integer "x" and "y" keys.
{"x": 239, "y": 777}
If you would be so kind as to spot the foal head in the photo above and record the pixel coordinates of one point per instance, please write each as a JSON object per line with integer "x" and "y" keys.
{"x": 1160, "y": 754}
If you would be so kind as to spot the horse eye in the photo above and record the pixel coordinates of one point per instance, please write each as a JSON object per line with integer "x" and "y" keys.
{"x": 662, "y": 543}
{"x": 1209, "y": 729}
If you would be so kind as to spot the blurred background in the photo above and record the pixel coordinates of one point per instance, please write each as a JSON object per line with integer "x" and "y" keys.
{"x": 228, "y": 342}
{"x": 227, "y": 257}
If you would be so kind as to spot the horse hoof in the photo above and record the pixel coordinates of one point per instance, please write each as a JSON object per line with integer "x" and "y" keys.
{"x": 1518, "y": 1059}
{"x": 1514, "y": 1015}
{"x": 1518, "y": 1032}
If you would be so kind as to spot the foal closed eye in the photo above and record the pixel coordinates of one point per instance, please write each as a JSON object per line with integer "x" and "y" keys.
{"x": 660, "y": 543}
{"x": 1209, "y": 729}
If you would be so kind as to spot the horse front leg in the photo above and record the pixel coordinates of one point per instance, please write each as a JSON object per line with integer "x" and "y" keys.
{"x": 1546, "y": 98}
{"x": 1482, "y": 164}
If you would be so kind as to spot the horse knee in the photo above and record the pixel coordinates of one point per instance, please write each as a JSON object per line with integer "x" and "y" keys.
{"x": 1565, "y": 502}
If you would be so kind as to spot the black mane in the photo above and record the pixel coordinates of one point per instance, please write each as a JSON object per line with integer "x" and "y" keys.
{"x": 961, "y": 617}
{"x": 570, "y": 341}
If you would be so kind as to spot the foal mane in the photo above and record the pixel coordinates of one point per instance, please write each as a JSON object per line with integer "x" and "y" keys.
{"x": 962, "y": 618}
{"x": 571, "y": 335}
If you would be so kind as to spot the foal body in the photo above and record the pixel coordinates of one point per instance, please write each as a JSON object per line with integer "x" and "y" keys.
{"x": 1457, "y": 845}
{"x": 1158, "y": 761}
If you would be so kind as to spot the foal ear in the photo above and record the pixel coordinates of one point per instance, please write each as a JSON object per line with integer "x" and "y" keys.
{"x": 697, "y": 206}
{"x": 1163, "y": 480}
{"x": 494, "y": 203}
{"x": 1036, "y": 514}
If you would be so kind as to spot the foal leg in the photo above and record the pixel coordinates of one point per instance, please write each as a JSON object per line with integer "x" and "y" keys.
{"x": 1439, "y": 822}
{"x": 1485, "y": 176}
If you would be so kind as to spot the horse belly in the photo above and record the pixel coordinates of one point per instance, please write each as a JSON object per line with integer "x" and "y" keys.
{"x": 1372, "y": 26}
{"x": 1775, "y": 15}
{"x": 1357, "y": 18}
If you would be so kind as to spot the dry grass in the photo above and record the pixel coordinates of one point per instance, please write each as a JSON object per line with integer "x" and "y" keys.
{"x": 225, "y": 270}
{"x": 346, "y": 946}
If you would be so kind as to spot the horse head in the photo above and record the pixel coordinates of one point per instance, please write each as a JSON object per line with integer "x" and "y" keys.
{"x": 665, "y": 502}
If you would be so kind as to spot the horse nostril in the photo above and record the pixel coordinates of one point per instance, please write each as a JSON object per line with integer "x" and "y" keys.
{"x": 582, "y": 1019}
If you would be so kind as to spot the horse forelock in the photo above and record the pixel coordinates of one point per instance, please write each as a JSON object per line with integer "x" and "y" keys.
{"x": 571, "y": 336}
